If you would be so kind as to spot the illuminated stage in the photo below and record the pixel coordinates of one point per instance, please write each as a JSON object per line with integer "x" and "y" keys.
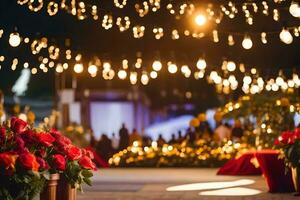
{"x": 175, "y": 184}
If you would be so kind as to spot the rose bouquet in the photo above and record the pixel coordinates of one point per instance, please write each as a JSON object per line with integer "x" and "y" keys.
{"x": 28, "y": 156}
{"x": 289, "y": 142}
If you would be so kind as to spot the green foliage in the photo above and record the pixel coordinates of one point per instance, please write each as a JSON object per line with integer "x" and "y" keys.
{"x": 76, "y": 175}
{"x": 21, "y": 186}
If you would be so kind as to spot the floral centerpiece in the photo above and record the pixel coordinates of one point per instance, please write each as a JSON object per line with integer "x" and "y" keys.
{"x": 28, "y": 157}
{"x": 289, "y": 142}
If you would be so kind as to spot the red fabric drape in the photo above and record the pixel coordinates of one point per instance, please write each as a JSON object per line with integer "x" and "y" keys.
{"x": 98, "y": 160}
{"x": 240, "y": 166}
{"x": 274, "y": 171}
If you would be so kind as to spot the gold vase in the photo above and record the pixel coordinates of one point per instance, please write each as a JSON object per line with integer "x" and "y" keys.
{"x": 66, "y": 191}
{"x": 296, "y": 179}
{"x": 50, "y": 190}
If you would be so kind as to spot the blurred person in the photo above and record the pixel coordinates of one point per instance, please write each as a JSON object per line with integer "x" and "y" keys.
{"x": 190, "y": 135}
{"x": 237, "y": 131}
{"x": 160, "y": 141}
{"x": 134, "y": 136}
{"x": 173, "y": 139}
{"x": 180, "y": 139}
{"x": 146, "y": 140}
{"x": 104, "y": 147}
{"x": 124, "y": 137}
{"x": 222, "y": 132}
{"x": 115, "y": 142}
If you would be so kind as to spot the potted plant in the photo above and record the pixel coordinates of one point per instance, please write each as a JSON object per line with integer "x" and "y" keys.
{"x": 289, "y": 142}
{"x": 21, "y": 174}
{"x": 34, "y": 159}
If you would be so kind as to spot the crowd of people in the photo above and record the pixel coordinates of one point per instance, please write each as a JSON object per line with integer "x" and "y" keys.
{"x": 106, "y": 146}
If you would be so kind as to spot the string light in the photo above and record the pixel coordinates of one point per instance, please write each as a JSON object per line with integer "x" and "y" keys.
{"x": 157, "y": 65}
{"x": 92, "y": 69}
{"x": 201, "y": 64}
{"x": 123, "y": 23}
{"x": 200, "y": 20}
{"x": 247, "y": 42}
{"x": 172, "y": 68}
{"x": 120, "y": 5}
{"x": 294, "y": 9}
{"x": 122, "y": 74}
{"x": 52, "y": 8}
{"x": 285, "y": 36}
{"x": 14, "y": 39}
{"x": 78, "y": 68}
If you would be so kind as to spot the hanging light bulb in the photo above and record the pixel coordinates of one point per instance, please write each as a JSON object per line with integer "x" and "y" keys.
{"x": 285, "y": 36}
{"x": 157, "y": 65}
{"x": 295, "y": 9}
{"x": 78, "y": 68}
{"x": 92, "y": 69}
{"x": 172, "y": 68}
{"x": 231, "y": 66}
{"x": 201, "y": 64}
{"x": 122, "y": 74}
{"x": 153, "y": 74}
{"x": 133, "y": 78}
{"x": 145, "y": 78}
{"x": 14, "y": 39}
{"x": 200, "y": 20}
{"x": 247, "y": 80}
{"x": 247, "y": 42}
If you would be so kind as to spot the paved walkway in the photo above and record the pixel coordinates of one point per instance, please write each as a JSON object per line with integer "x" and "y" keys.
{"x": 169, "y": 184}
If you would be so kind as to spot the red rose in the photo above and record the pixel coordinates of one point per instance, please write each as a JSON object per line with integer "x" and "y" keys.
{"x": 55, "y": 133}
{"x": 87, "y": 163}
{"x": 28, "y": 136}
{"x": 73, "y": 152}
{"x": 43, "y": 164}
{"x": 276, "y": 141}
{"x": 285, "y": 137}
{"x": 297, "y": 133}
{"x": 42, "y": 153}
{"x": 63, "y": 141}
{"x": 88, "y": 153}
{"x": 59, "y": 162}
{"x": 17, "y": 125}
{"x": 8, "y": 160}
{"x": 45, "y": 139}
{"x": 28, "y": 160}
{"x": 20, "y": 144}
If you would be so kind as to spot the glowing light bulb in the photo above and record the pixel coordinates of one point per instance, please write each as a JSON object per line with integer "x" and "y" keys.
{"x": 78, "y": 68}
{"x": 133, "y": 78}
{"x": 153, "y": 74}
{"x": 201, "y": 64}
{"x": 247, "y": 42}
{"x": 200, "y": 20}
{"x": 247, "y": 80}
{"x": 231, "y": 66}
{"x": 172, "y": 68}
{"x": 157, "y": 65}
{"x": 14, "y": 39}
{"x": 144, "y": 79}
{"x": 285, "y": 36}
{"x": 122, "y": 74}
{"x": 92, "y": 69}
{"x": 295, "y": 9}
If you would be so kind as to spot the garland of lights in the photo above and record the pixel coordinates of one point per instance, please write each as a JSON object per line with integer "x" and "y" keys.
{"x": 225, "y": 81}
{"x": 138, "y": 31}
{"x": 214, "y": 11}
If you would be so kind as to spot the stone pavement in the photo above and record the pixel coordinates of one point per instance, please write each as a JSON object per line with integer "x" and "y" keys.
{"x": 152, "y": 184}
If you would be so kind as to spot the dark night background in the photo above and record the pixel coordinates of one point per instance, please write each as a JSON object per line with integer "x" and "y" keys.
{"x": 91, "y": 39}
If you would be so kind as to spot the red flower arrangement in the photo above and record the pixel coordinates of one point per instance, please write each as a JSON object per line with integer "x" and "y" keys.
{"x": 28, "y": 156}
{"x": 289, "y": 142}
